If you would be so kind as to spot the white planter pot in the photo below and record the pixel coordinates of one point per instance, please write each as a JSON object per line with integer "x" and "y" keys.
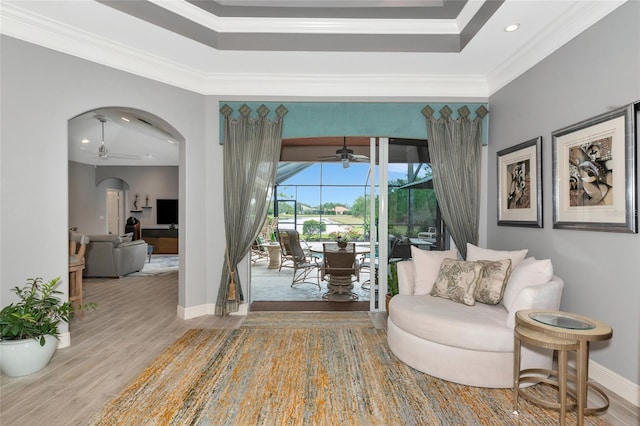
{"x": 23, "y": 357}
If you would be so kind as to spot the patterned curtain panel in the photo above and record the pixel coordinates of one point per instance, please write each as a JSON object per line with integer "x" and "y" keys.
{"x": 455, "y": 149}
{"x": 251, "y": 155}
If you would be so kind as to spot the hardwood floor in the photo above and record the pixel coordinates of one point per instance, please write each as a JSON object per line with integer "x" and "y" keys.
{"x": 135, "y": 321}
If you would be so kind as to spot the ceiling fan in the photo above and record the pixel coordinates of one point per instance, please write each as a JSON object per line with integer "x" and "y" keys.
{"x": 345, "y": 155}
{"x": 103, "y": 152}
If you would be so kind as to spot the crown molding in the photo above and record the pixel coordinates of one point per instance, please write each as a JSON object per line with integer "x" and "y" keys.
{"x": 578, "y": 18}
{"x": 363, "y": 85}
{"x": 27, "y": 26}
{"x": 311, "y": 25}
{"x": 33, "y": 28}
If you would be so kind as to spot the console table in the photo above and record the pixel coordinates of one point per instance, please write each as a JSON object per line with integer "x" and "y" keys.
{"x": 163, "y": 240}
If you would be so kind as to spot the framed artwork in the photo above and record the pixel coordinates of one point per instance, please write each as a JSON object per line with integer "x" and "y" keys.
{"x": 520, "y": 184}
{"x": 594, "y": 176}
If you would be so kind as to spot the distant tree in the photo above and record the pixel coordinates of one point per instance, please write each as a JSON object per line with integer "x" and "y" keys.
{"x": 311, "y": 228}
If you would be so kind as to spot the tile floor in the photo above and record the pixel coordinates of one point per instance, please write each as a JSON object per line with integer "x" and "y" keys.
{"x": 271, "y": 284}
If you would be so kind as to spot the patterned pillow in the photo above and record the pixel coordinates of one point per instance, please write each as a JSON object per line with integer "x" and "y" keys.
{"x": 493, "y": 280}
{"x": 457, "y": 280}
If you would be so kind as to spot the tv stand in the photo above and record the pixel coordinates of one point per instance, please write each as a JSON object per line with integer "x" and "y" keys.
{"x": 163, "y": 240}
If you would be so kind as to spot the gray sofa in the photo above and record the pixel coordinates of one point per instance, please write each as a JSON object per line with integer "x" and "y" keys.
{"x": 109, "y": 255}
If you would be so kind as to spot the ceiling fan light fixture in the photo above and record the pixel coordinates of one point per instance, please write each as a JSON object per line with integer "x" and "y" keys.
{"x": 345, "y": 163}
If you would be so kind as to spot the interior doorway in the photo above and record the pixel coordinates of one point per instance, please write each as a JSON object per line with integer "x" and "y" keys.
{"x": 115, "y": 208}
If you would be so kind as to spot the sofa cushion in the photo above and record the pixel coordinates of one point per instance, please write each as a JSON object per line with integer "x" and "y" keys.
{"x": 426, "y": 266}
{"x": 493, "y": 279}
{"x": 480, "y": 327}
{"x": 457, "y": 280}
{"x": 477, "y": 253}
{"x": 110, "y": 238}
{"x": 529, "y": 272}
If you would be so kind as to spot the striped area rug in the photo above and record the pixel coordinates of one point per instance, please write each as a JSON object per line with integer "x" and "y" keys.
{"x": 303, "y": 376}
{"x": 345, "y": 319}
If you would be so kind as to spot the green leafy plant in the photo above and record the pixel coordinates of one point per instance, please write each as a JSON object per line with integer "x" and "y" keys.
{"x": 392, "y": 282}
{"x": 38, "y": 313}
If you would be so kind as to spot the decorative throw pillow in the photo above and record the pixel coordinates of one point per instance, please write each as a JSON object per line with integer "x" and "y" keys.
{"x": 457, "y": 280}
{"x": 426, "y": 265}
{"x": 529, "y": 272}
{"x": 477, "y": 253}
{"x": 493, "y": 279}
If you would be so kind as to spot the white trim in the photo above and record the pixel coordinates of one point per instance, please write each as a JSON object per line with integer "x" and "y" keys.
{"x": 243, "y": 309}
{"x": 612, "y": 381}
{"x": 275, "y": 25}
{"x": 64, "y": 340}
{"x": 195, "y": 311}
{"x": 621, "y": 386}
{"x": 579, "y": 17}
{"x": 30, "y": 27}
{"x": 468, "y": 12}
{"x": 346, "y": 85}
{"x": 33, "y": 28}
{"x": 206, "y": 309}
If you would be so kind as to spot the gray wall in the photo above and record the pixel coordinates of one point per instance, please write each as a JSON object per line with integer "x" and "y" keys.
{"x": 43, "y": 89}
{"x": 87, "y": 192}
{"x": 597, "y": 71}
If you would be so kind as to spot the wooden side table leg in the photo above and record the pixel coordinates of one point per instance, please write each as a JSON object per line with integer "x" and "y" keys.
{"x": 562, "y": 385}
{"x": 517, "y": 345}
{"x": 582, "y": 379}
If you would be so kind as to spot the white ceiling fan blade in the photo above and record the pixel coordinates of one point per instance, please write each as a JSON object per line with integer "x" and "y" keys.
{"x": 358, "y": 157}
{"x": 129, "y": 156}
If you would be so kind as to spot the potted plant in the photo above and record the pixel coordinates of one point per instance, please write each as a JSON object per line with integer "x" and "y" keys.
{"x": 29, "y": 327}
{"x": 342, "y": 241}
{"x": 392, "y": 284}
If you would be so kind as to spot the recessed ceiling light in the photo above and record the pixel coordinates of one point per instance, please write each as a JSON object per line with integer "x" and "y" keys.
{"x": 511, "y": 28}
{"x": 171, "y": 142}
{"x": 85, "y": 141}
{"x": 125, "y": 119}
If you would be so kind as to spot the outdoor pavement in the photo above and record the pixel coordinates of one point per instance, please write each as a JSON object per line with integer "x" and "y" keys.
{"x": 271, "y": 284}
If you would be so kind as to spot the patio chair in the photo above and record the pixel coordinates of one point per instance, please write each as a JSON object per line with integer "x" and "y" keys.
{"x": 258, "y": 252}
{"x": 341, "y": 269}
{"x": 303, "y": 263}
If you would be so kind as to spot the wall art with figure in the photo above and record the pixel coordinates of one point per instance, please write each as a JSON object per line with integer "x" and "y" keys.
{"x": 594, "y": 173}
{"x": 520, "y": 184}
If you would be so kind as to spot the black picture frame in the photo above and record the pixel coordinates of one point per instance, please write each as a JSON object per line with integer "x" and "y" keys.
{"x": 520, "y": 184}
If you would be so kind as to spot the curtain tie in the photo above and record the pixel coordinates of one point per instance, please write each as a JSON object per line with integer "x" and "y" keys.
{"x": 232, "y": 281}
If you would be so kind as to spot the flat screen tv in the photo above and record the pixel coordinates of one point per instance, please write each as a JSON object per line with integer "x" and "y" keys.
{"x": 166, "y": 212}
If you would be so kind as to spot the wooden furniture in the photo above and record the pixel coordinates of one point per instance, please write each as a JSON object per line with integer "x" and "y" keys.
{"x": 563, "y": 331}
{"x": 163, "y": 240}
{"x": 539, "y": 375}
{"x": 77, "y": 247}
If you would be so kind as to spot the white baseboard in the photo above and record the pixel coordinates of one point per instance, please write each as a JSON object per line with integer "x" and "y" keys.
{"x": 207, "y": 309}
{"x": 621, "y": 386}
{"x": 65, "y": 340}
{"x": 243, "y": 309}
{"x": 612, "y": 381}
{"x": 196, "y": 311}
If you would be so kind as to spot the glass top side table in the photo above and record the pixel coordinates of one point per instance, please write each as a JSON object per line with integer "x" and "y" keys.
{"x": 566, "y": 325}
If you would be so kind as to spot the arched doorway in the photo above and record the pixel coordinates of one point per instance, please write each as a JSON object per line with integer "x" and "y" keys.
{"x": 121, "y": 161}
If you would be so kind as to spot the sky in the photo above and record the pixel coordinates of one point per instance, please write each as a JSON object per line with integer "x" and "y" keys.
{"x": 333, "y": 174}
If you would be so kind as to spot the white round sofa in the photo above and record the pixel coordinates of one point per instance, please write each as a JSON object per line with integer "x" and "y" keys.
{"x": 470, "y": 345}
